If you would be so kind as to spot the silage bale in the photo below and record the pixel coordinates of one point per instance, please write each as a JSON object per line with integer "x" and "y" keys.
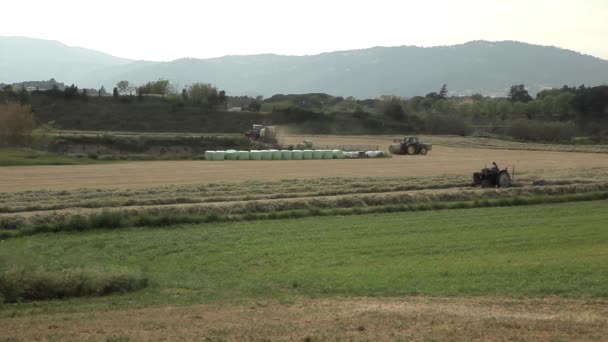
{"x": 328, "y": 154}
{"x": 230, "y": 155}
{"x": 255, "y": 155}
{"x": 296, "y": 155}
{"x": 243, "y": 155}
{"x": 307, "y": 154}
{"x": 338, "y": 154}
{"x": 209, "y": 155}
{"x": 266, "y": 155}
{"x": 276, "y": 154}
{"x": 286, "y": 155}
{"x": 317, "y": 154}
{"x": 219, "y": 155}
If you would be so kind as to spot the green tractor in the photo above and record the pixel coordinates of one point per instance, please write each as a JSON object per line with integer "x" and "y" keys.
{"x": 409, "y": 145}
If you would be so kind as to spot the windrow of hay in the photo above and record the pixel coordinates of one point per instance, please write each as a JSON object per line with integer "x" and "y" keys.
{"x": 20, "y": 282}
{"x": 339, "y": 205}
{"x": 228, "y": 192}
{"x": 41, "y": 200}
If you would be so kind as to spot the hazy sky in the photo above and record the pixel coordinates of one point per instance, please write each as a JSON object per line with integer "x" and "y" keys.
{"x": 179, "y": 28}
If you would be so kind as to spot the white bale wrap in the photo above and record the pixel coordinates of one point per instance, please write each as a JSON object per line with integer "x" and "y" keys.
{"x": 231, "y": 155}
{"x": 255, "y": 155}
{"x": 266, "y": 155}
{"x": 307, "y": 154}
{"x": 296, "y": 155}
{"x": 243, "y": 155}
{"x": 276, "y": 154}
{"x": 338, "y": 154}
{"x": 219, "y": 155}
{"x": 286, "y": 155}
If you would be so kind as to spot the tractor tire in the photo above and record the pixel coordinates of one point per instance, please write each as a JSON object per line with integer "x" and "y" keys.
{"x": 423, "y": 150}
{"x": 411, "y": 150}
{"x": 504, "y": 179}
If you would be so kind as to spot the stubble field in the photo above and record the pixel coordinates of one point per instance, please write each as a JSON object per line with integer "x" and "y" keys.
{"x": 443, "y": 159}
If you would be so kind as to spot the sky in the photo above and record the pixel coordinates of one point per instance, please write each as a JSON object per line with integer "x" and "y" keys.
{"x": 168, "y": 30}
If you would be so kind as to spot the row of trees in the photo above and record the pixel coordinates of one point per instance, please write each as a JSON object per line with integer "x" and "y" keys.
{"x": 202, "y": 94}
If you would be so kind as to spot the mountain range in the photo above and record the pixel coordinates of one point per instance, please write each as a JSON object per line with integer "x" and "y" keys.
{"x": 489, "y": 68}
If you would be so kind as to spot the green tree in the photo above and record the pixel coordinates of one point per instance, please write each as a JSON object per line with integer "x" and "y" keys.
{"x": 123, "y": 87}
{"x": 443, "y": 92}
{"x": 393, "y": 109}
{"x": 185, "y": 94}
{"x": 518, "y": 93}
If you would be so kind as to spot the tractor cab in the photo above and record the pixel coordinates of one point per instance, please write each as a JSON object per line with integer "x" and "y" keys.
{"x": 411, "y": 140}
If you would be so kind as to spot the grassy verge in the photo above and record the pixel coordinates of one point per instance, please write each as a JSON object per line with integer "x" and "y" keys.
{"x": 26, "y": 157}
{"x": 543, "y": 250}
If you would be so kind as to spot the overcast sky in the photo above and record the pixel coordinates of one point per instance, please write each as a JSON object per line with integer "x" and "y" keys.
{"x": 167, "y": 30}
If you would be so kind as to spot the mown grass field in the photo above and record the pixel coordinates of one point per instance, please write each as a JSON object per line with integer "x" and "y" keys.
{"x": 530, "y": 251}
{"x": 29, "y": 157}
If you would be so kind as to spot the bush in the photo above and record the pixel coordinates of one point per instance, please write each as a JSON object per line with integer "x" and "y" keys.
{"x": 25, "y": 282}
{"x": 543, "y": 131}
{"x": 445, "y": 124}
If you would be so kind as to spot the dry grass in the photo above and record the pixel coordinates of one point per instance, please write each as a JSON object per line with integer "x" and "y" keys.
{"x": 442, "y": 160}
{"x": 337, "y": 319}
{"x": 447, "y": 141}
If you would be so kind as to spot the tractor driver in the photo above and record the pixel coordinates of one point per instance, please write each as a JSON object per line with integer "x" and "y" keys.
{"x": 494, "y": 166}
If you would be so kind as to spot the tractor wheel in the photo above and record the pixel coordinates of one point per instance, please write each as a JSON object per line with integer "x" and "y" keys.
{"x": 423, "y": 150}
{"x": 504, "y": 179}
{"x": 411, "y": 149}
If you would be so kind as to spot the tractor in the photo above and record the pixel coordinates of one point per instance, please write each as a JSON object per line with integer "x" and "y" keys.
{"x": 409, "y": 145}
{"x": 492, "y": 177}
{"x": 262, "y": 133}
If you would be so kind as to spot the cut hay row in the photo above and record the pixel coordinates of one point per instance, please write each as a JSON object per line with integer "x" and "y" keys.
{"x": 42, "y": 200}
{"x": 347, "y": 204}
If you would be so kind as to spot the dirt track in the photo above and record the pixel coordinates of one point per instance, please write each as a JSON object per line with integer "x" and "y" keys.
{"x": 441, "y": 160}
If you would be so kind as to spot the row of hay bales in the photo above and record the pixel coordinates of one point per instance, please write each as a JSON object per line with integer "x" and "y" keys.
{"x": 274, "y": 155}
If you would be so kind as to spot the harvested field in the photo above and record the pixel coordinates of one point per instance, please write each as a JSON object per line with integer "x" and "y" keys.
{"x": 353, "y": 319}
{"x": 447, "y": 141}
{"x": 441, "y": 160}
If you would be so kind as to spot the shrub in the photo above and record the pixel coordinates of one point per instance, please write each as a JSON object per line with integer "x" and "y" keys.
{"x": 447, "y": 124}
{"x": 543, "y": 131}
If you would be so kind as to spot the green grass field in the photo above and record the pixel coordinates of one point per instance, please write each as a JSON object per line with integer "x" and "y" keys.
{"x": 25, "y": 156}
{"x": 529, "y": 251}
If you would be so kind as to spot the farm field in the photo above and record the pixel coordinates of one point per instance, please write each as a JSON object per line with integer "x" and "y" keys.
{"x": 399, "y": 248}
{"x": 441, "y": 160}
{"x": 534, "y": 271}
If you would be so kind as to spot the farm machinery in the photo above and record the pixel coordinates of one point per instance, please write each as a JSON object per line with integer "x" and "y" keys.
{"x": 492, "y": 177}
{"x": 409, "y": 145}
{"x": 262, "y": 133}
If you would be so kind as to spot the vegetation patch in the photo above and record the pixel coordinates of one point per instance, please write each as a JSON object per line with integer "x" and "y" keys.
{"x": 20, "y": 282}
{"x": 520, "y": 251}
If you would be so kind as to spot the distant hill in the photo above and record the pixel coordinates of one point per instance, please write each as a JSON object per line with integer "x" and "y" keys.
{"x": 483, "y": 67}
